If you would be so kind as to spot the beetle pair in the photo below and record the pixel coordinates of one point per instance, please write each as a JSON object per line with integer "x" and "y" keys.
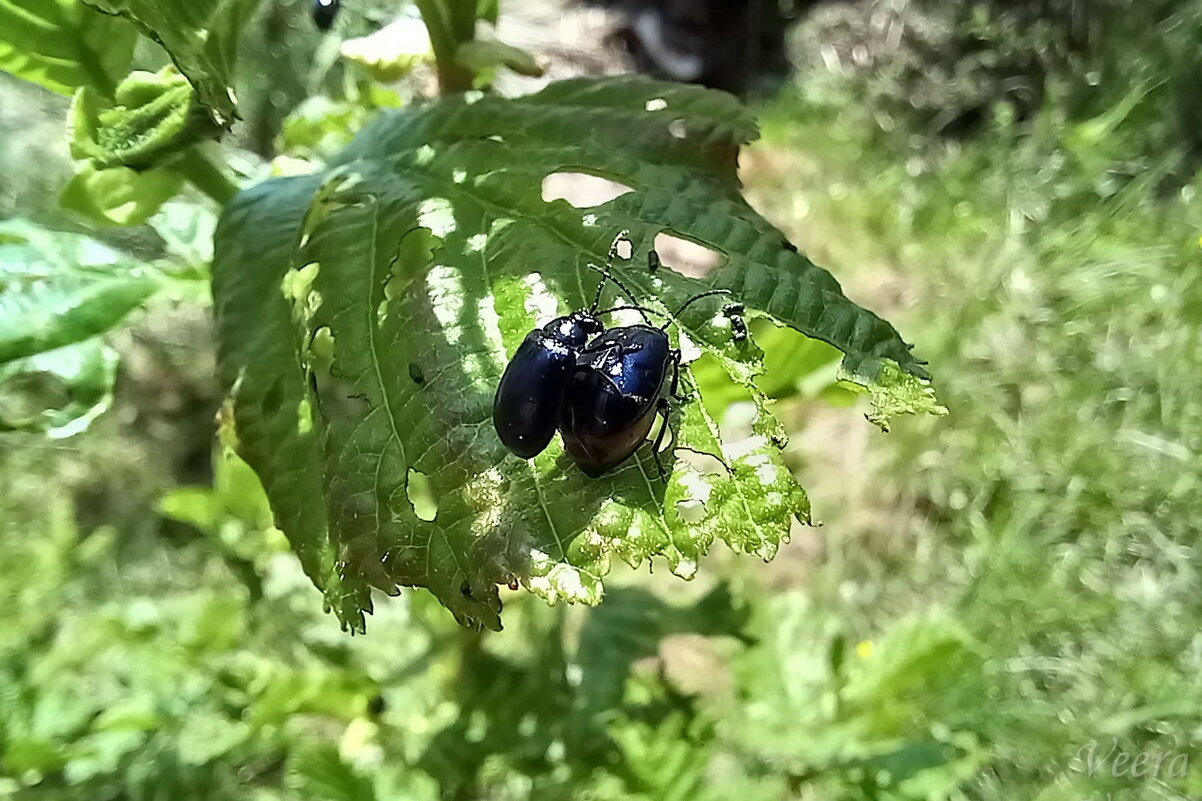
{"x": 601, "y": 388}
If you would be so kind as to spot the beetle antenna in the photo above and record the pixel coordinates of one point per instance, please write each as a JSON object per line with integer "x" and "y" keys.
{"x": 600, "y": 284}
{"x": 623, "y": 236}
{"x": 692, "y": 300}
{"x": 642, "y": 309}
{"x": 605, "y": 275}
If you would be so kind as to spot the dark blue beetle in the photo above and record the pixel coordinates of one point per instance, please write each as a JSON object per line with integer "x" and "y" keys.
{"x": 529, "y": 397}
{"x": 526, "y": 408}
{"x": 601, "y": 389}
{"x": 324, "y": 12}
{"x": 615, "y": 392}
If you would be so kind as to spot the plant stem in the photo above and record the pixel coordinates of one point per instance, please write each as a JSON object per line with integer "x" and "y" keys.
{"x": 462, "y": 14}
{"x": 445, "y": 38}
{"x": 198, "y": 170}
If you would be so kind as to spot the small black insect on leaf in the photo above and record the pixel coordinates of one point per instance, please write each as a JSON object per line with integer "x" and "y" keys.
{"x": 324, "y": 13}
{"x": 738, "y": 326}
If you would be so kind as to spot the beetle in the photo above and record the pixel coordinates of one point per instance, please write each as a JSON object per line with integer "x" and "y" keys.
{"x": 615, "y": 392}
{"x": 324, "y": 12}
{"x": 526, "y": 408}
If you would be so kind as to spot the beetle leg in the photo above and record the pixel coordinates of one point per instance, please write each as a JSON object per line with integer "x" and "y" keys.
{"x": 662, "y": 410}
{"x": 674, "y": 390}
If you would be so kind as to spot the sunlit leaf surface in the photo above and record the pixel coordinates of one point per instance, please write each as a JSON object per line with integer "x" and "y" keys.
{"x": 366, "y": 313}
{"x": 64, "y": 44}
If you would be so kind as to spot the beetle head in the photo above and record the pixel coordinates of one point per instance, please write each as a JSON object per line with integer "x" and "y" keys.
{"x": 576, "y": 329}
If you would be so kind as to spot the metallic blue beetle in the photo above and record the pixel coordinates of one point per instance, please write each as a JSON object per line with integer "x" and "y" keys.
{"x": 530, "y": 395}
{"x": 601, "y": 389}
{"x": 615, "y": 392}
{"x": 526, "y": 408}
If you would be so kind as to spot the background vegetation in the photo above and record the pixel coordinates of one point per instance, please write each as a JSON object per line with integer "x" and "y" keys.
{"x": 991, "y": 592}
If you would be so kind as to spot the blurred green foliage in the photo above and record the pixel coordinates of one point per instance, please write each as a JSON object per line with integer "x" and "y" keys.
{"x": 989, "y": 595}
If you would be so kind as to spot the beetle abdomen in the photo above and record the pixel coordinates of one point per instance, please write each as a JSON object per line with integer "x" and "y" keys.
{"x": 612, "y": 396}
{"x": 600, "y": 426}
{"x": 527, "y": 405}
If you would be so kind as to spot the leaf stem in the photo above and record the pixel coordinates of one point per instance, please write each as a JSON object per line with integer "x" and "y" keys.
{"x": 198, "y": 170}
{"x": 449, "y": 26}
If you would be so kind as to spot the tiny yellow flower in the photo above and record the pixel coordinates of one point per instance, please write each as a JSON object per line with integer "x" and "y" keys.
{"x": 864, "y": 649}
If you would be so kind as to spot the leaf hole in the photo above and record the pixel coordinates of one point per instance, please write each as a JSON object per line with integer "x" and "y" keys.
{"x": 665, "y": 440}
{"x": 421, "y": 495}
{"x": 582, "y": 190}
{"x": 304, "y": 417}
{"x": 298, "y": 282}
{"x": 416, "y": 374}
{"x": 321, "y": 347}
{"x": 656, "y": 104}
{"x": 678, "y": 129}
{"x": 691, "y": 510}
{"x": 703, "y": 463}
{"x": 686, "y": 257}
{"x": 414, "y": 255}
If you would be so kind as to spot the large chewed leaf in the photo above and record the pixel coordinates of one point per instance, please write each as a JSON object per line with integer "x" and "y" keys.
{"x": 64, "y": 44}
{"x": 366, "y": 313}
{"x": 201, "y": 36}
{"x": 59, "y": 293}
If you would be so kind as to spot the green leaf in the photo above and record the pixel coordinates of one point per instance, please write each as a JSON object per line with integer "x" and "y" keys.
{"x": 487, "y": 10}
{"x": 366, "y": 313}
{"x": 118, "y": 195}
{"x": 896, "y": 392}
{"x": 391, "y": 52}
{"x": 320, "y": 127}
{"x": 205, "y": 735}
{"x": 201, "y": 36}
{"x": 58, "y": 293}
{"x": 916, "y": 651}
{"x": 64, "y": 44}
{"x": 57, "y": 289}
{"x": 153, "y": 116}
{"x": 59, "y": 392}
{"x": 320, "y": 774}
{"x": 630, "y": 625}
{"x": 793, "y": 365}
{"x": 187, "y": 231}
{"x": 479, "y": 55}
